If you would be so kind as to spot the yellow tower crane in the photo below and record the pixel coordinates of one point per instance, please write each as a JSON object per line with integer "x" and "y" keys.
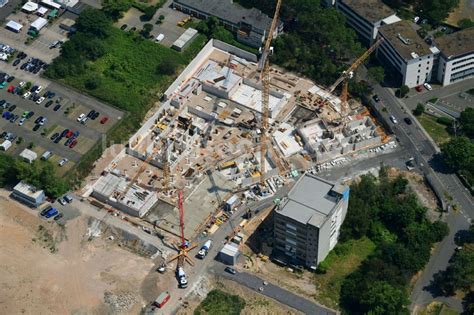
{"x": 265, "y": 78}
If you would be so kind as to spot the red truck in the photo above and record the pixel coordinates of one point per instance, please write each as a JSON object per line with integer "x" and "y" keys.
{"x": 162, "y": 299}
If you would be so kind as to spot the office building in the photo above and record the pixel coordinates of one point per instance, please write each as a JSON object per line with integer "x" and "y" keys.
{"x": 408, "y": 53}
{"x": 28, "y": 194}
{"x": 456, "y": 57}
{"x": 366, "y": 17}
{"x": 250, "y": 25}
{"x": 307, "y": 222}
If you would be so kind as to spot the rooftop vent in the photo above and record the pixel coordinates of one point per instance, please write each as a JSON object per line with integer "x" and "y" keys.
{"x": 404, "y": 40}
{"x": 414, "y": 55}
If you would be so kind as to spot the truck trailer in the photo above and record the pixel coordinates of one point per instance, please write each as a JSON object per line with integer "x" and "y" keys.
{"x": 162, "y": 299}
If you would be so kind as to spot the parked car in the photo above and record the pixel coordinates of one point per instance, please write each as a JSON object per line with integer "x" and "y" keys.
{"x": 40, "y": 100}
{"x": 96, "y": 114}
{"x": 38, "y": 89}
{"x": 14, "y": 118}
{"x": 26, "y": 95}
{"x": 69, "y": 134}
{"x": 62, "y": 201}
{"x": 38, "y": 119}
{"x": 64, "y": 133}
{"x": 84, "y": 120}
{"x": 81, "y": 116}
{"x": 419, "y": 88}
{"x": 104, "y": 120}
{"x": 58, "y": 139}
{"x": 36, "y": 127}
{"x": 63, "y": 161}
{"x": 59, "y": 216}
{"x": 393, "y": 119}
{"x": 42, "y": 121}
{"x": 30, "y": 114}
{"x": 24, "y": 114}
{"x": 57, "y": 107}
{"x": 21, "y": 84}
{"x": 10, "y": 79}
{"x": 51, "y": 213}
{"x": 43, "y": 212}
{"x": 230, "y": 270}
{"x": 90, "y": 114}
{"x": 376, "y": 98}
{"x": 54, "y": 136}
{"x": 68, "y": 198}
{"x": 48, "y": 103}
{"x": 73, "y": 143}
{"x": 407, "y": 120}
{"x": 123, "y": 27}
{"x": 21, "y": 122}
{"x": 16, "y": 62}
{"x": 427, "y": 86}
{"x": 12, "y": 108}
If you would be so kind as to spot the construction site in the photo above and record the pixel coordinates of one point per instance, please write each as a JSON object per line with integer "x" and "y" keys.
{"x": 231, "y": 130}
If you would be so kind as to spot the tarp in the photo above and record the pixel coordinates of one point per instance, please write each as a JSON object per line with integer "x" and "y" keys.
{"x": 14, "y": 26}
{"x": 39, "y": 23}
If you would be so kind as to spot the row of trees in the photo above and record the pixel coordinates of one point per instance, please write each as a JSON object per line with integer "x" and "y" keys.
{"x": 40, "y": 174}
{"x": 458, "y": 153}
{"x": 387, "y": 212}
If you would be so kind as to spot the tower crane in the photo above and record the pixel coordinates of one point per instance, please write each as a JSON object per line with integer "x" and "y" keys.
{"x": 183, "y": 247}
{"x": 265, "y": 78}
{"x": 349, "y": 73}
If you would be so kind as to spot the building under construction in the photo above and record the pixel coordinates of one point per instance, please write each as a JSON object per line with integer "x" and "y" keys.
{"x": 209, "y": 122}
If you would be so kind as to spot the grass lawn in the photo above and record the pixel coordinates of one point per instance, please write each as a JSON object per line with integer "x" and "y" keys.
{"x": 343, "y": 260}
{"x": 437, "y": 131}
{"x": 218, "y": 302}
{"x": 438, "y": 308}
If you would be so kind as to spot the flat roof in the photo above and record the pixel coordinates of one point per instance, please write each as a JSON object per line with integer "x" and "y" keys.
{"x": 28, "y": 154}
{"x": 404, "y": 39}
{"x": 185, "y": 37}
{"x": 27, "y": 190}
{"x": 14, "y": 25}
{"x": 229, "y": 11}
{"x": 30, "y": 6}
{"x": 458, "y": 43}
{"x": 371, "y": 10}
{"x": 310, "y": 201}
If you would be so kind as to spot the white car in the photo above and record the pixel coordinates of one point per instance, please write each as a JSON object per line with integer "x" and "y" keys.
{"x": 393, "y": 119}
{"x": 62, "y": 201}
{"x": 427, "y": 86}
{"x": 3, "y": 56}
{"x": 40, "y": 100}
{"x": 63, "y": 161}
{"x": 26, "y": 95}
{"x": 38, "y": 89}
{"x": 42, "y": 121}
{"x": 22, "y": 84}
{"x": 84, "y": 120}
{"x": 159, "y": 38}
{"x": 81, "y": 117}
{"x": 416, "y": 19}
{"x": 21, "y": 122}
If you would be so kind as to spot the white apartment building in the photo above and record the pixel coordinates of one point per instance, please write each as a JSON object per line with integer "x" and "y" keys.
{"x": 456, "y": 58}
{"x": 366, "y": 17}
{"x": 406, "y": 51}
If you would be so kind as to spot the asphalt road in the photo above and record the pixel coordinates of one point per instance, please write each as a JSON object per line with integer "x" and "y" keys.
{"x": 426, "y": 153}
{"x": 275, "y": 292}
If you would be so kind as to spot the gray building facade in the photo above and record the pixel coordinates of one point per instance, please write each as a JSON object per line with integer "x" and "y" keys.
{"x": 28, "y": 194}
{"x": 307, "y": 222}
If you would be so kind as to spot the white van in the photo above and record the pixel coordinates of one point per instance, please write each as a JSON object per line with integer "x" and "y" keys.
{"x": 159, "y": 38}
{"x": 46, "y": 155}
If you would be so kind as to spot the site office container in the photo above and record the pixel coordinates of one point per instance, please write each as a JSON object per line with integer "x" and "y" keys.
{"x": 162, "y": 299}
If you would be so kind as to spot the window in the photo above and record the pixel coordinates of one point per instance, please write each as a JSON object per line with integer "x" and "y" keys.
{"x": 418, "y": 70}
{"x": 419, "y": 65}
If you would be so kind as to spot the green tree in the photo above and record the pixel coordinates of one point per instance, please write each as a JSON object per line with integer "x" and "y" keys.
{"x": 459, "y": 274}
{"x": 377, "y": 74}
{"x": 420, "y": 109}
{"x": 95, "y": 22}
{"x": 402, "y": 91}
{"x": 458, "y": 153}
{"x": 437, "y": 10}
{"x": 383, "y": 298}
{"x": 148, "y": 13}
{"x": 7, "y": 172}
{"x": 466, "y": 121}
{"x": 115, "y": 8}
{"x": 465, "y": 23}
{"x": 147, "y": 28}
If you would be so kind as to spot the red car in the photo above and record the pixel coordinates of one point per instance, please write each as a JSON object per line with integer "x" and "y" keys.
{"x": 73, "y": 143}
{"x": 69, "y": 134}
{"x": 104, "y": 120}
{"x": 11, "y": 88}
{"x": 419, "y": 88}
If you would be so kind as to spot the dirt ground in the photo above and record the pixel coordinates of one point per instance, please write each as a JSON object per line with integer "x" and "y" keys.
{"x": 465, "y": 10}
{"x": 256, "y": 304}
{"x": 48, "y": 269}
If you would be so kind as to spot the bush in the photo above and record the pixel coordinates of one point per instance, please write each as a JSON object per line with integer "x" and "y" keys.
{"x": 402, "y": 91}
{"x": 322, "y": 267}
{"x": 219, "y": 302}
{"x": 445, "y": 121}
{"x": 420, "y": 109}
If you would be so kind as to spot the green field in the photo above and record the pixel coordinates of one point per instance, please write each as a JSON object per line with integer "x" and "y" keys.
{"x": 343, "y": 260}
{"x": 127, "y": 75}
{"x": 218, "y": 302}
{"x": 437, "y": 131}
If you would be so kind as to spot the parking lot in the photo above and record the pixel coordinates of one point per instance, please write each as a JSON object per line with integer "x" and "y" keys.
{"x": 39, "y": 47}
{"x": 168, "y": 27}
{"x": 72, "y": 104}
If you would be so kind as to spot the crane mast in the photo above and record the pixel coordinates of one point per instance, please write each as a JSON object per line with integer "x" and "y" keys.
{"x": 265, "y": 78}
